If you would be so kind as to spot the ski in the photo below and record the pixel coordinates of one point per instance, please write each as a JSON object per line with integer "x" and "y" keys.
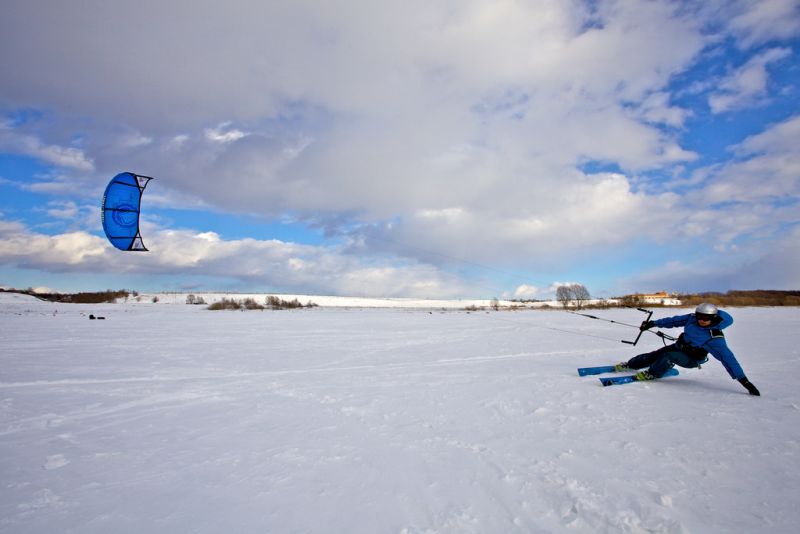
{"x": 584, "y": 371}
{"x": 616, "y": 380}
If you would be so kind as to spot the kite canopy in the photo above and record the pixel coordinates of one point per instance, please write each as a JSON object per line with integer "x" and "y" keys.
{"x": 121, "y": 203}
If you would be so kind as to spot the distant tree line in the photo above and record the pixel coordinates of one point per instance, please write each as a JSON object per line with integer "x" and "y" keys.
{"x": 759, "y": 297}
{"x": 92, "y": 297}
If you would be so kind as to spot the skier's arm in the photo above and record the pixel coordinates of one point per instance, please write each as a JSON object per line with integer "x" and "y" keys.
{"x": 670, "y": 322}
{"x": 726, "y": 320}
{"x": 719, "y": 349}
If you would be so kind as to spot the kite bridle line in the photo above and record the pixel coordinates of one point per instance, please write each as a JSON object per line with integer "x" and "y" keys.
{"x": 664, "y": 337}
{"x": 649, "y": 313}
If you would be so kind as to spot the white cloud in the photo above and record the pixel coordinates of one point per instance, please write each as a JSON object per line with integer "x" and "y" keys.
{"x": 59, "y": 253}
{"x": 748, "y": 84}
{"x": 657, "y": 108}
{"x": 749, "y": 201}
{"x": 14, "y": 142}
{"x": 592, "y": 212}
{"x": 223, "y": 133}
{"x": 188, "y": 253}
{"x": 768, "y": 169}
{"x": 526, "y": 291}
{"x": 63, "y": 210}
{"x": 760, "y": 21}
{"x": 781, "y": 138}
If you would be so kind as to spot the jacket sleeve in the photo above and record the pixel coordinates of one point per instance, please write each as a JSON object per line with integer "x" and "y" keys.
{"x": 672, "y": 322}
{"x": 719, "y": 349}
{"x": 727, "y": 320}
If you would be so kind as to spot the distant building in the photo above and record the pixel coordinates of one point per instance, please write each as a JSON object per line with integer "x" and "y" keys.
{"x": 663, "y": 298}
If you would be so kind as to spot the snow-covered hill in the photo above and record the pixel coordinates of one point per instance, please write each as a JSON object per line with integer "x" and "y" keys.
{"x": 165, "y": 419}
{"x": 328, "y": 301}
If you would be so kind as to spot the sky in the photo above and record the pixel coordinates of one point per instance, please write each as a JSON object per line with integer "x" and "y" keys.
{"x": 441, "y": 149}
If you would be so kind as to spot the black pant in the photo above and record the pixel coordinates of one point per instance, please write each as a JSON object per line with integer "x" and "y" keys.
{"x": 662, "y": 360}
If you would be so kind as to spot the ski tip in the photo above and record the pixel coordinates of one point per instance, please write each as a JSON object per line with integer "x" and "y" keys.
{"x": 627, "y": 379}
{"x": 597, "y": 370}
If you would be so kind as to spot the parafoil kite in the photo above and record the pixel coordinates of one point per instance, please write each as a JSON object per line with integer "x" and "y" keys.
{"x": 121, "y": 203}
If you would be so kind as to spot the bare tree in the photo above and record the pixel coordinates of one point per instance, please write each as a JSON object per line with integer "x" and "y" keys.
{"x": 580, "y": 294}
{"x": 564, "y": 295}
{"x": 573, "y": 294}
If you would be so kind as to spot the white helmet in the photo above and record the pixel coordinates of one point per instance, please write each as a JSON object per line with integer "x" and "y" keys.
{"x": 706, "y": 308}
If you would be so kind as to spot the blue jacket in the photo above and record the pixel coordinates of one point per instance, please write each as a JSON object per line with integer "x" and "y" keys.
{"x": 710, "y": 339}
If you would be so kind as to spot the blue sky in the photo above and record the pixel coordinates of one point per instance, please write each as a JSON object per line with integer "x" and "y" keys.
{"x": 422, "y": 149}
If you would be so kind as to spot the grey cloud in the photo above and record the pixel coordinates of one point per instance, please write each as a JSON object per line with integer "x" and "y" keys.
{"x": 773, "y": 266}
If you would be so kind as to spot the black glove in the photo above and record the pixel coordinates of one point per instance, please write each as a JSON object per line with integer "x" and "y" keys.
{"x": 751, "y": 389}
{"x": 647, "y": 325}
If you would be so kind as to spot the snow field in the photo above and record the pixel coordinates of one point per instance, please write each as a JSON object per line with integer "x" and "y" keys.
{"x": 176, "y": 419}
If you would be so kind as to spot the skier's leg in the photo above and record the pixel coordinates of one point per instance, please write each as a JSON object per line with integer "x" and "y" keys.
{"x": 669, "y": 359}
{"x": 648, "y": 358}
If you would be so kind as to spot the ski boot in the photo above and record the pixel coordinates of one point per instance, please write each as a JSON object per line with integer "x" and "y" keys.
{"x": 644, "y": 375}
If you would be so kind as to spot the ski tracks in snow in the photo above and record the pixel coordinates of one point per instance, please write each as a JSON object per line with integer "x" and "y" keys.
{"x": 380, "y": 422}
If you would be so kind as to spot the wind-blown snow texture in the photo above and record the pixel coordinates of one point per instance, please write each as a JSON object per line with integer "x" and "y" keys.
{"x": 171, "y": 418}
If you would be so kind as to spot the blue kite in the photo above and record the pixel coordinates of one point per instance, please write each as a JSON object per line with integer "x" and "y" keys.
{"x": 120, "y": 213}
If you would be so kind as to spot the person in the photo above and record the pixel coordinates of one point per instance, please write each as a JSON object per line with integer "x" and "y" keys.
{"x": 702, "y": 334}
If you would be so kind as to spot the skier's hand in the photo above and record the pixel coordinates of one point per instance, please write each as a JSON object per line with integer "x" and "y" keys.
{"x": 647, "y": 325}
{"x": 751, "y": 389}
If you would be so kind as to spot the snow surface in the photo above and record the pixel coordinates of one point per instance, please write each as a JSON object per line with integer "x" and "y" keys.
{"x": 167, "y": 419}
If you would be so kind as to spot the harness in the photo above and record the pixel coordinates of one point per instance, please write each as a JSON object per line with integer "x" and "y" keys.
{"x": 700, "y": 354}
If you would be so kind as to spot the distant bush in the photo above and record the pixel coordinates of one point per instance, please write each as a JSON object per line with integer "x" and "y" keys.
{"x": 276, "y": 303}
{"x": 225, "y": 304}
{"x": 273, "y": 303}
{"x": 251, "y": 304}
{"x": 632, "y": 301}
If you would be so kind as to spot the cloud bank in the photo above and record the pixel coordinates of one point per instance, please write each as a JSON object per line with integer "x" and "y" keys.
{"x": 513, "y": 134}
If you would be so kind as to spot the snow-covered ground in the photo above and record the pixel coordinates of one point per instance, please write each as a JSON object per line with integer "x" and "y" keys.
{"x": 167, "y": 419}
